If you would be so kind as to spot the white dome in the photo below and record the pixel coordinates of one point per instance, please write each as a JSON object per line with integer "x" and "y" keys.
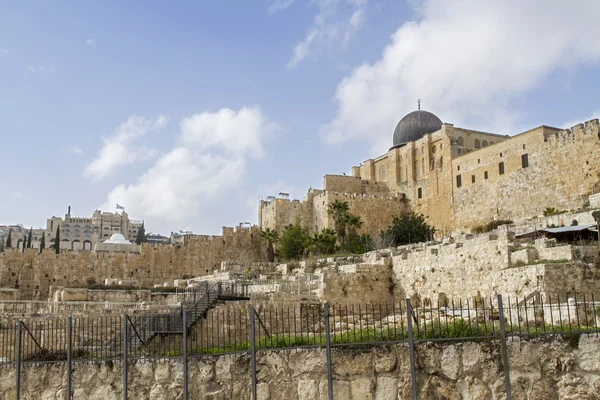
{"x": 117, "y": 238}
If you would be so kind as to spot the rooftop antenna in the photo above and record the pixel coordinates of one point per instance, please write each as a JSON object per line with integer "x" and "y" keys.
{"x": 419, "y": 104}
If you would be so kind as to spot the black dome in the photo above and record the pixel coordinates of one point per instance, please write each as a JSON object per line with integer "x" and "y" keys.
{"x": 414, "y": 126}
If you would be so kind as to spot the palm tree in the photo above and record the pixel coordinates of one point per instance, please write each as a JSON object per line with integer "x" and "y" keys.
{"x": 339, "y": 211}
{"x": 354, "y": 223}
{"x": 270, "y": 237}
{"x": 323, "y": 242}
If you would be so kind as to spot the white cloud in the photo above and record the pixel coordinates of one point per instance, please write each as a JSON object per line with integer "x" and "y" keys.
{"x": 17, "y": 195}
{"x": 73, "y": 150}
{"x": 466, "y": 59}
{"x": 5, "y": 52}
{"x": 90, "y": 42}
{"x": 279, "y": 5}
{"x": 209, "y": 160}
{"x": 118, "y": 149}
{"x": 42, "y": 70}
{"x": 336, "y": 22}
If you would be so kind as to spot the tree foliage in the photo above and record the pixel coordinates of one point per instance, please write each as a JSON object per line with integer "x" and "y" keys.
{"x": 1, "y": 245}
{"x": 293, "y": 242}
{"x": 141, "y": 235}
{"x": 270, "y": 237}
{"x": 29, "y": 238}
{"x": 43, "y": 242}
{"x": 9, "y": 239}
{"x": 596, "y": 215}
{"x": 323, "y": 242}
{"x": 410, "y": 227}
{"x": 57, "y": 241}
{"x": 339, "y": 212}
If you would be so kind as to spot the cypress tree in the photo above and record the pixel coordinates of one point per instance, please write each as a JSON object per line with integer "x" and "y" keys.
{"x": 1, "y": 245}
{"x": 43, "y": 242}
{"x": 9, "y": 239}
{"x": 29, "y": 238}
{"x": 57, "y": 241}
{"x": 141, "y": 235}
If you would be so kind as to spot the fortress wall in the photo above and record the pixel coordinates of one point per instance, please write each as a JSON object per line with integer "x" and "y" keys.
{"x": 563, "y": 171}
{"x": 557, "y": 368}
{"x": 376, "y": 211}
{"x": 458, "y": 270}
{"x": 353, "y": 184}
{"x": 33, "y": 274}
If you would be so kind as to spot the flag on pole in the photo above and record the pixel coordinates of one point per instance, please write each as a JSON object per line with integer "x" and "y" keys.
{"x": 119, "y": 207}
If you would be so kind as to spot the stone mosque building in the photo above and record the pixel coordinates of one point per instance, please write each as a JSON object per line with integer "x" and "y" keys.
{"x": 458, "y": 178}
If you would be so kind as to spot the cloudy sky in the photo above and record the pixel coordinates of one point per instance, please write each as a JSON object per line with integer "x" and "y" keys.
{"x": 187, "y": 112}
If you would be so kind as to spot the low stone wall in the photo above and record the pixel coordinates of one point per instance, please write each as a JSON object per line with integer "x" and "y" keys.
{"x": 548, "y": 369}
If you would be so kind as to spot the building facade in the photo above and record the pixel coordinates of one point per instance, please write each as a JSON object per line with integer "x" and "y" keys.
{"x": 458, "y": 178}
{"x": 78, "y": 233}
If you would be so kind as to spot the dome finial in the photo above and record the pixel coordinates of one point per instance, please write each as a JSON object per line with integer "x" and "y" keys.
{"x": 419, "y": 103}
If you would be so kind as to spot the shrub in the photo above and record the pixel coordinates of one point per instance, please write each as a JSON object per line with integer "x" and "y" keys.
{"x": 490, "y": 226}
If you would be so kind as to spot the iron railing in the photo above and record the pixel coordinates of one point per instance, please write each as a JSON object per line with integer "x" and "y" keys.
{"x": 199, "y": 328}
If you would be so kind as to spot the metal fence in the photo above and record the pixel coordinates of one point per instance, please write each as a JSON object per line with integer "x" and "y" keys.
{"x": 199, "y": 329}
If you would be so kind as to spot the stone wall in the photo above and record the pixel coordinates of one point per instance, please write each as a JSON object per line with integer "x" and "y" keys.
{"x": 539, "y": 370}
{"x": 33, "y": 274}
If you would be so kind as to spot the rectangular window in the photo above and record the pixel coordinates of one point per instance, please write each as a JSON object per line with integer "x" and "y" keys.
{"x": 458, "y": 181}
{"x": 485, "y": 175}
{"x": 501, "y": 168}
{"x": 472, "y": 178}
{"x": 524, "y": 160}
{"x": 419, "y": 193}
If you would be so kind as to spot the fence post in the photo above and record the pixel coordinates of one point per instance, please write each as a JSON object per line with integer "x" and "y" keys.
{"x": 411, "y": 348}
{"x": 185, "y": 356}
{"x": 503, "y": 348}
{"x": 328, "y": 353}
{"x": 69, "y": 354}
{"x": 125, "y": 351}
{"x": 253, "y": 351}
{"x": 19, "y": 336}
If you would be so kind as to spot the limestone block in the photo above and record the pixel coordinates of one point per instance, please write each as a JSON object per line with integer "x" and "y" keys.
{"x": 542, "y": 390}
{"x": 144, "y": 369}
{"x": 350, "y": 363}
{"x": 451, "y": 362}
{"x": 475, "y": 389}
{"x": 386, "y": 388}
{"x": 589, "y": 359}
{"x": 159, "y": 392}
{"x": 79, "y": 393}
{"x": 272, "y": 365}
{"x": 308, "y": 389}
{"x": 361, "y": 389}
{"x": 572, "y": 387}
{"x": 71, "y": 294}
{"x": 470, "y": 358}
{"x": 162, "y": 373}
{"x": 262, "y": 391}
{"x": 384, "y": 360}
{"x": 438, "y": 388}
{"x": 341, "y": 390}
{"x": 203, "y": 372}
{"x": 309, "y": 361}
{"x": 282, "y": 390}
{"x": 104, "y": 393}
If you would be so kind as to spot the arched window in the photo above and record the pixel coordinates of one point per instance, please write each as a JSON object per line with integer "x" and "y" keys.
{"x": 433, "y": 149}
{"x": 477, "y": 144}
{"x": 441, "y": 162}
{"x": 491, "y": 143}
{"x": 460, "y": 141}
{"x": 382, "y": 173}
{"x": 485, "y": 143}
{"x": 423, "y": 166}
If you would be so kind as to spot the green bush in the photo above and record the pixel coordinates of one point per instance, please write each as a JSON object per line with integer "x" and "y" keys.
{"x": 490, "y": 226}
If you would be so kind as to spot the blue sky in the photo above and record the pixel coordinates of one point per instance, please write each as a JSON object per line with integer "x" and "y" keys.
{"x": 186, "y": 112}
